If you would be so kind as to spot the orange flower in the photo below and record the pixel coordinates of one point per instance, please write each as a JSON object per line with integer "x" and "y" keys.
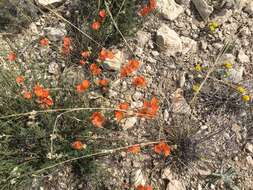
{"x": 152, "y": 4}
{"x": 44, "y": 42}
{"x": 95, "y": 25}
{"x": 141, "y": 187}
{"x": 134, "y": 64}
{"x": 85, "y": 54}
{"x": 105, "y": 54}
{"x": 46, "y": 101}
{"x": 149, "y": 109}
{"x": 83, "y": 86}
{"x": 66, "y": 45}
{"x": 20, "y": 79}
{"x": 78, "y": 145}
{"x": 103, "y": 82}
{"x": 12, "y": 56}
{"x": 139, "y": 81}
{"x": 97, "y": 119}
{"x": 128, "y": 69}
{"x": 135, "y": 149}
{"x": 66, "y": 41}
{"x": 40, "y": 91}
{"x": 27, "y": 95}
{"x": 124, "y": 106}
{"x": 144, "y": 11}
{"x": 82, "y": 62}
{"x": 119, "y": 114}
{"x": 102, "y": 13}
{"x": 95, "y": 70}
{"x": 162, "y": 147}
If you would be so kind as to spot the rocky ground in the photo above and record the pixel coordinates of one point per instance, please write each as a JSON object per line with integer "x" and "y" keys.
{"x": 214, "y": 133}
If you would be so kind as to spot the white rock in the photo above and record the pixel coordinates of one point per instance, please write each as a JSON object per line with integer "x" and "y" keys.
{"x": 143, "y": 38}
{"x": 138, "y": 178}
{"x": 166, "y": 115}
{"x": 189, "y": 45}
{"x": 167, "y": 174}
{"x": 249, "y": 160}
{"x": 236, "y": 75}
{"x": 55, "y": 34}
{"x": 49, "y": 2}
{"x": 242, "y": 57}
{"x": 203, "y": 8}
{"x": 169, "y": 9}
{"x": 137, "y": 96}
{"x": 116, "y": 62}
{"x": 53, "y": 68}
{"x": 168, "y": 40}
{"x": 179, "y": 104}
{"x": 129, "y": 123}
{"x": 249, "y": 147}
{"x": 175, "y": 185}
{"x": 249, "y": 7}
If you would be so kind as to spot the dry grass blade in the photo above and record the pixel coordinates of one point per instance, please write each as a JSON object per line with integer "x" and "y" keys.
{"x": 116, "y": 26}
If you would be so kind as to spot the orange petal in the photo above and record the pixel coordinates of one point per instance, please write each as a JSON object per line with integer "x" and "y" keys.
{"x": 134, "y": 149}
{"x": 119, "y": 115}
{"x": 97, "y": 119}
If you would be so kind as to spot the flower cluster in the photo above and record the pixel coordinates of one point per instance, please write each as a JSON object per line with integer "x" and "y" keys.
{"x": 148, "y": 8}
{"x": 83, "y": 86}
{"x": 97, "y": 119}
{"x": 78, "y": 145}
{"x": 66, "y": 48}
{"x": 97, "y": 24}
{"x": 162, "y": 147}
{"x": 245, "y": 96}
{"x": 44, "y": 42}
{"x": 43, "y": 96}
{"x": 128, "y": 69}
{"x": 149, "y": 109}
{"x": 12, "y": 56}
{"x": 120, "y": 114}
{"x": 135, "y": 149}
{"x": 141, "y": 187}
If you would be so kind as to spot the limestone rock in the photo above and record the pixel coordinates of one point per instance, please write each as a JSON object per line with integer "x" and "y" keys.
{"x": 49, "y": 2}
{"x": 188, "y": 45}
{"x": 179, "y": 104}
{"x": 203, "y": 8}
{"x": 168, "y": 40}
{"x": 169, "y": 9}
{"x": 55, "y": 33}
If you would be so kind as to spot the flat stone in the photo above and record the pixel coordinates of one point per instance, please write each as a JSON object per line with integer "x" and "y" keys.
{"x": 129, "y": 123}
{"x": 169, "y": 9}
{"x": 188, "y": 45}
{"x": 242, "y": 57}
{"x": 55, "y": 34}
{"x": 168, "y": 40}
{"x": 49, "y": 2}
{"x": 142, "y": 38}
{"x": 179, "y": 104}
{"x": 203, "y": 8}
{"x": 175, "y": 185}
{"x": 236, "y": 75}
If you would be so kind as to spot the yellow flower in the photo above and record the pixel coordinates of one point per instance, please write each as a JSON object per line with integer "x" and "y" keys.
{"x": 228, "y": 65}
{"x": 241, "y": 89}
{"x": 196, "y": 87}
{"x": 213, "y": 26}
{"x": 246, "y": 98}
{"x": 198, "y": 67}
